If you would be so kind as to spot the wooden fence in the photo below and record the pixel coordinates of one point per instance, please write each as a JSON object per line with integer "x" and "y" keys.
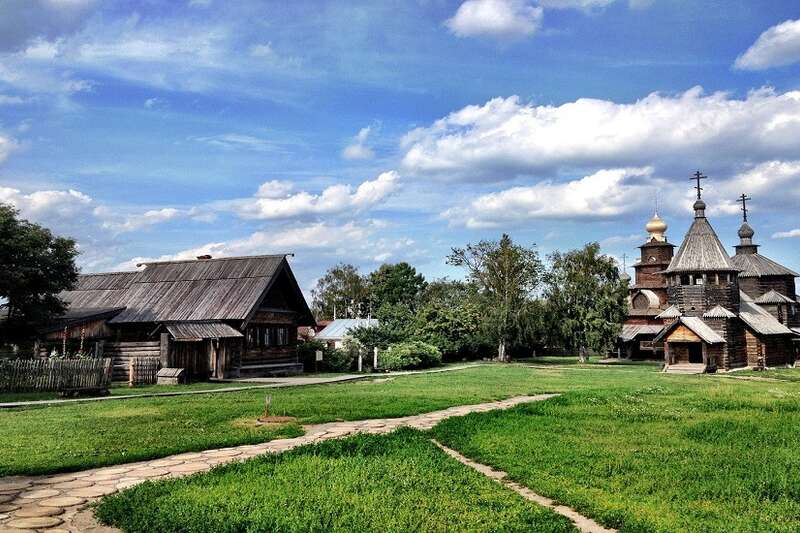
{"x": 143, "y": 370}
{"x": 33, "y": 375}
{"x": 123, "y": 352}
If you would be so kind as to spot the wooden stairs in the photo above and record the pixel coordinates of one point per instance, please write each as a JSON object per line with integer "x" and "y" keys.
{"x": 686, "y": 368}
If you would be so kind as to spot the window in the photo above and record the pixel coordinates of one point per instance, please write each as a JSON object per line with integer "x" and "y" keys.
{"x": 281, "y": 336}
{"x": 267, "y": 336}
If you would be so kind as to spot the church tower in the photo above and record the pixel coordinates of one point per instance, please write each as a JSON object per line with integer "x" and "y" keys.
{"x": 656, "y": 254}
{"x": 701, "y": 275}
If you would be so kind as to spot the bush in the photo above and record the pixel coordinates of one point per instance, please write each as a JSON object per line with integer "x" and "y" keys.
{"x": 408, "y": 355}
{"x": 337, "y": 360}
{"x": 307, "y": 353}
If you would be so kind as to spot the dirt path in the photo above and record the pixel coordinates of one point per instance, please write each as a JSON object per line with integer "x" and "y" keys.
{"x": 583, "y": 523}
{"x": 54, "y": 503}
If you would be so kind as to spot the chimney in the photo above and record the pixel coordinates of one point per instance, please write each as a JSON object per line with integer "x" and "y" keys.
{"x": 203, "y": 257}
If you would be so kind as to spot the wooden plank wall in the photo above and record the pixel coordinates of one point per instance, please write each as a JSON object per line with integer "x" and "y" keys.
{"x": 122, "y": 352}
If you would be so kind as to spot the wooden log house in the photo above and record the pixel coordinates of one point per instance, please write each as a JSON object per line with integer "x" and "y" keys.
{"x": 217, "y": 318}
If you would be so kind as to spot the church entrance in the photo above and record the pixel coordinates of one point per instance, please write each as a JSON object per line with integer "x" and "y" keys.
{"x": 695, "y": 352}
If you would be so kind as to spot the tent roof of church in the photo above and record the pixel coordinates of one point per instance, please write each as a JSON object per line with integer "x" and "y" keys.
{"x": 756, "y": 266}
{"x": 701, "y": 251}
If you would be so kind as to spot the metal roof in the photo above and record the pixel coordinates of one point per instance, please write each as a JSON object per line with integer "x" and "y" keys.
{"x": 756, "y": 266}
{"x": 701, "y": 251}
{"x": 339, "y": 328}
{"x": 196, "y": 331}
{"x": 698, "y": 327}
{"x": 719, "y": 312}
{"x": 773, "y": 297}
{"x": 631, "y": 331}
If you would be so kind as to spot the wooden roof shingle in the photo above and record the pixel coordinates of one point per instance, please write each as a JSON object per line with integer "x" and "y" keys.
{"x": 701, "y": 251}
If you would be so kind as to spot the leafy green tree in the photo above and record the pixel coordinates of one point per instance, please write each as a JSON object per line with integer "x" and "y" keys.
{"x": 586, "y": 299}
{"x": 453, "y": 329}
{"x": 393, "y": 284}
{"x": 341, "y": 292}
{"x": 35, "y": 266}
{"x": 507, "y": 275}
{"x": 394, "y": 325}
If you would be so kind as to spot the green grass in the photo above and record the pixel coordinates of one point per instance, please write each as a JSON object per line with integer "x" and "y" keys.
{"x": 398, "y": 482}
{"x": 69, "y": 437}
{"x": 692, "y": 454}
{"x": 122, "y": 390}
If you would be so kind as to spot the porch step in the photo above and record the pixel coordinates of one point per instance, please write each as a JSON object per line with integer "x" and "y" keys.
{"x": 272, "y": 369}
{"x": 686, "y": 368}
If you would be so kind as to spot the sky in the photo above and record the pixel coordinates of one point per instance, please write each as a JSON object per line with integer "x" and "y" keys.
{"x": 371, "y": 132}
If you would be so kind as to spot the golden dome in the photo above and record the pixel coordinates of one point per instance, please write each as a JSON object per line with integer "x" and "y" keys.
{"x": 656, "y": 227}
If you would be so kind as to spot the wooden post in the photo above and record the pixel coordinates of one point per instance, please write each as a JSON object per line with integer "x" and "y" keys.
{"x": 667, "y": 355}
{"x": 360, "y": 360}
{"x": 375, "y": 358}
{"x": 705, "y": 354}
{"x": 131, "y": 371}
{"x": 164, "y": 353}
{"x": 99, "y": 349}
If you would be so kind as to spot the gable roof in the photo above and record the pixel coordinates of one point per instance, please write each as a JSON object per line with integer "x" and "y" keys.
{"x": 179, "y": 291}
{"x": 756, "y": 265}
{"x": 718, "y": 312}
{"x": 758, "y": 318}
{"x": 670, "y": 312}
{"x": 698, "y": 327}
{"x": 631, "y": 331}
{"x": 701, "y": 251}
{"x": 196, "y": 331}
{"x": 773, "y": 297}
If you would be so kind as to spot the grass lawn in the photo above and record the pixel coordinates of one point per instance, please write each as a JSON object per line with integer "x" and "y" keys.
{"x": 693, "y": 454}
{"x": 80, "y": 436}
{"x": 123, "y": 390}
{"x": 396, "y": 482}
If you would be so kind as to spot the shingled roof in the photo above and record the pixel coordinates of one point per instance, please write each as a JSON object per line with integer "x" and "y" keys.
{"x": 180, "y": 291}
{"x": 756, "y": 265}
{"x": 701, "y": 251}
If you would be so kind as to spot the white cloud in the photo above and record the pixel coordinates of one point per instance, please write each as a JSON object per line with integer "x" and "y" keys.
{"x": 786, "y": 234}
{"x": 11, "y": 100}
{"x": 274, "y": 189}
{"x": 358, "y": 149}
{"x": 575, "y": 4}
{"x": 778, "y": 46}
{"x": 236, "y": 141}
{"x": 273, "y": 201}
{"x": 500, "y": 19}
{"x": 773, "y": 185}
{"x": 505, "y": 138}
{"x": 622, "y": 239}
{"x": 155, "y": 102}
{"x": 7, "y": 145}
{"x": 606, "y": 193}
{"x": 350, "y": 240}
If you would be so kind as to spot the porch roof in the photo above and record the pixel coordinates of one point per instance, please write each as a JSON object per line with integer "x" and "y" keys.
{"x": 631, "y": 331}
{"x": 197, "y": 331}
{"x": 697, "y": 326}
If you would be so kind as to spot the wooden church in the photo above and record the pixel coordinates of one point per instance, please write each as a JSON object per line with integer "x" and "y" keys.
{"x": 707, "y": 311}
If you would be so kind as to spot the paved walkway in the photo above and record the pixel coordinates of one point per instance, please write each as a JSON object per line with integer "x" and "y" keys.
{"x": 583, "y": 523}
{"x": 54, "y": 503}
{"x": 254, "y": 383}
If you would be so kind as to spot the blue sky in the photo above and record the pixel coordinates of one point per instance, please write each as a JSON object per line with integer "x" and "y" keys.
{"x": 388, "y": 131}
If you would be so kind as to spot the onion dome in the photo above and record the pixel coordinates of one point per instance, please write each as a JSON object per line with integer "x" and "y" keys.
{"x": 656, "y": 227}
{"x": 699, "y": 209}
{"x": 746, "y": 232}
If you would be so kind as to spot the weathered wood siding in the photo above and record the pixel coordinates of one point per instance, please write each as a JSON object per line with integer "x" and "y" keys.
{"x": 33, "y": 375}
{"x": 122, "y": 352}
{"x": 95, "y": 329}
{"x": 682, "y": 334}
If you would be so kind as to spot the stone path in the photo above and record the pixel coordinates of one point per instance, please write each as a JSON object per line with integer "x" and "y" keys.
{"x": 54, "y": 503}
{"x": 583, "y": 523}
{"x": 254, "y": 383}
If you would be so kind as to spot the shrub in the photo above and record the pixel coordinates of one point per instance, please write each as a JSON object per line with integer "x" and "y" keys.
{"x": 337, "y": 360}
{"x": 411, "y": 354}
{"x": 307, "y": 352}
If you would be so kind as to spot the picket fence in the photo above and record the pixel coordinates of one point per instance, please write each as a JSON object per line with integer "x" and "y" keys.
{"x": 40, "y": 375}
{"x": 143, "y": 370}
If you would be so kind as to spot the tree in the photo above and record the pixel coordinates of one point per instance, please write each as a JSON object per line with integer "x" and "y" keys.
{"x": 586, "y": 299}
{"x": 341, "y": 292}
{"x": 396, "y": 284}
{"x": 34, "y": 267}
{"x": 507, "y": 274}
